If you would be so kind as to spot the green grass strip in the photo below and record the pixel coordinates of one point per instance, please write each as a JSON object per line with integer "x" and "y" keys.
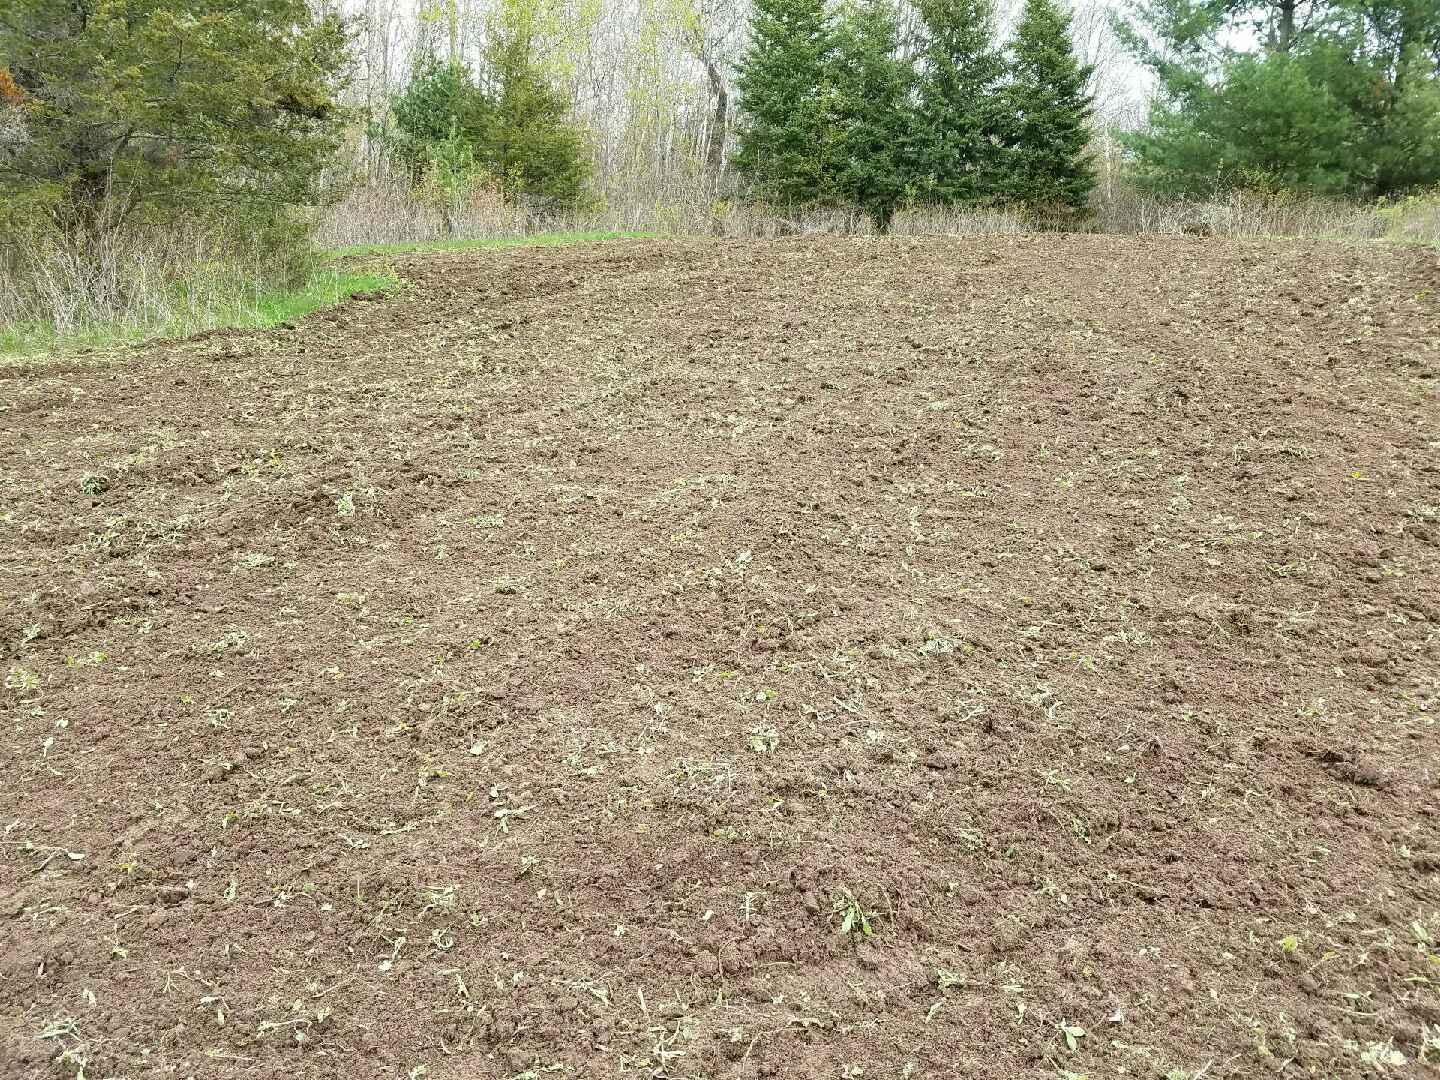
{"x": 326, "y": 288}
{"x": 485, "y": 244}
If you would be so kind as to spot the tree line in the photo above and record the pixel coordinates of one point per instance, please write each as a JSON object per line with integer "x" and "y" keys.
{"x": 831, "y": 112}
{"x": 834, "y": 110}
{"x": 145, "y": 111}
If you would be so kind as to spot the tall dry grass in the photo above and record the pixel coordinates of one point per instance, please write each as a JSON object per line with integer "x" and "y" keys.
{"x": 391, "y": 212}
{"x": 1240, "y": 213}
{"x": 116, "y": 282}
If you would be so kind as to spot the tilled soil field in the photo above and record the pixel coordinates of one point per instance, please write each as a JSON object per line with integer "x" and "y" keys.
{"x": 1008, "y": 657}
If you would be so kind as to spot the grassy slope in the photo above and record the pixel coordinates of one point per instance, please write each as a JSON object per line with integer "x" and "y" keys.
{"x": 538, "y": 239}
{"x": 339, "y": 278}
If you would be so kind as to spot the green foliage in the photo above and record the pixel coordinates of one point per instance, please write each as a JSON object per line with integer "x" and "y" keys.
{"x": 834, "y": 110}
{"x": 1381, "y": 63}
{"x": 1343, "y": 100}
{"x": 159, "y": 109}
{"x": 1046, "y": 113}
{"x": 870, "y": 110}
{"x": 957, "y": 116}
{"x": 440, "y": 104}
{"x": 531, "y": 146}
{"x": 1405, "y": 146}
{"x": 782, "y": 143}
{"x": 1268, "y": 127}
{"x": 450, "y": 176}
{"x": 511, "y": 126}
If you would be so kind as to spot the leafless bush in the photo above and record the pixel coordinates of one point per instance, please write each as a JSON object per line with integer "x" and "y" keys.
{"x": 392, "y": 212}
{"x": 118, "y": 280}
{"x": 1240, "y": 213}
{"x": 949, "y": 221}
{"x": 1415, "y": 220}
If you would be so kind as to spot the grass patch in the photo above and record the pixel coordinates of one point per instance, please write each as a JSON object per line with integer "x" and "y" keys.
{"x": 258, "y": 310}
{"x": 486, "y": 243}
{"x": 326, "y": 289}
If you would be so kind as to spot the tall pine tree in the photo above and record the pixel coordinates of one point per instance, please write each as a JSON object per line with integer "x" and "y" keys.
{"x": 782, "y": 141}
{"x": 1269, "y": 126}
{"x": 1047, "y": 111}
{"x": 140, "y": 111}
{"x": 440, "y": 103}
{"x": 532, "y": 145}
{"x": 871, "y": 111}
{"x": 957, "y": 116}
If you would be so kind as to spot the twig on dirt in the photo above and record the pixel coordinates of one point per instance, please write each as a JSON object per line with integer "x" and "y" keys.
{"x": 50, "y": 853}
{"x": 335, "y": 986}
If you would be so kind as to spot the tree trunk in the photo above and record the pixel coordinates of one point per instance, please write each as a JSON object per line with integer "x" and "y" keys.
{"x": 1282, "y": 32}
{"x": 715, "y": 136}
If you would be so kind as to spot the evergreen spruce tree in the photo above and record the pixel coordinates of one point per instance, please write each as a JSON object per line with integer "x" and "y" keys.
{"x": 139, "y": 111}
{"x": 440, "y": 104}
{"x": 531, "y": 144}
{"x": 783, "y": 81}
{"x": 957, "y": 118}
{"x": 871, "y": 111}
{"x": 1046, "y": 110}
{"x": 515, "y": 129}
{"x": 1404, "y": 154}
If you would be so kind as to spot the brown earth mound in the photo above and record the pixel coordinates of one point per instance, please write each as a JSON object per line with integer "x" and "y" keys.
{"x": 989, "y": 658}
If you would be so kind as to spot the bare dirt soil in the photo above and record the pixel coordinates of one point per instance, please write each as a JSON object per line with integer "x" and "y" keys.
{"x": 1008, "y": 657}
